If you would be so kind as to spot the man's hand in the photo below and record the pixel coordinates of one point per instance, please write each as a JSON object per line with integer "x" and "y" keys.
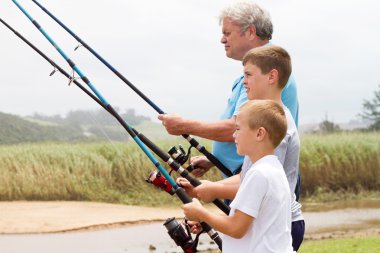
{"x": 174, "y": 123}
{"x": 201, "y": 165}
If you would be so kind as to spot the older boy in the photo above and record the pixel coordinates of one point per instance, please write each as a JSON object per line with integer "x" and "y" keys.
{"x": 266, "y": 71}
{"x": 259, "y": 220}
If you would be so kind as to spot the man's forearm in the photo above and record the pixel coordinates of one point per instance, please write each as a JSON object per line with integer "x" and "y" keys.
{"x": 217, "y": 131}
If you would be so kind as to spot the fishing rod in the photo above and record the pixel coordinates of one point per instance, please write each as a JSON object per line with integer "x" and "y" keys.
{"x": 175, "y": 230}
{"x": 174, "y": 165}
{"x": 193, "y": 142}
{"x": 178, "y": 190}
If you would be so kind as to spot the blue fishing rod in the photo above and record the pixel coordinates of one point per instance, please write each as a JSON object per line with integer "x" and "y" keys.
{"x": 178, "y": 190}
{"x": 175, "y": 230}
{"x": 166, "y": 158}
{"x": 190, "y": 139}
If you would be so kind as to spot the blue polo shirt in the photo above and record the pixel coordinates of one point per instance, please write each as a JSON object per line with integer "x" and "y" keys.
{"x": 226, "y": 151}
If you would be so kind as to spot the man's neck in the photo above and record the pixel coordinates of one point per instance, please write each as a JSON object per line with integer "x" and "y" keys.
{"x": 260, "y": 43}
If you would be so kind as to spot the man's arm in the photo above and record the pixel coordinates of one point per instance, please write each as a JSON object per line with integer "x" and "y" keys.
{"x": 221, "y": 130}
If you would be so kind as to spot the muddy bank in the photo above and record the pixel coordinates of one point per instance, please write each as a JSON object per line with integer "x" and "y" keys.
{"x": 23, "y": 217}
{"x": 97, "y": 227}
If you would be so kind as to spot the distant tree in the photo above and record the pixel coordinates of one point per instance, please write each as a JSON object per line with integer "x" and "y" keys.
{"x": 371, "y": 110}
{"x": 327, "y": 126}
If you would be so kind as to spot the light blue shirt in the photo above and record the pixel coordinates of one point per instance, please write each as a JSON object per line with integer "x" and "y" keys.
{"x": 226, "y": 151}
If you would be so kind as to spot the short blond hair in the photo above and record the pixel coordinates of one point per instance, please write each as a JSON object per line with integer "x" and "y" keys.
{"x": 267, "y": 58}
{"x": 267, "y": 114}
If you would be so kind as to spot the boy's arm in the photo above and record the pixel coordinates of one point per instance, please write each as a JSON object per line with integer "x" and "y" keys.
{"x": 235, "y": 226}
{"x": 209, "y": 191}
{"x": 235, "y": 179}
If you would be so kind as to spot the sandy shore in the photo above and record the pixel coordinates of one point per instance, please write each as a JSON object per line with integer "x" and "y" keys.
{"x": 24, "y": 217}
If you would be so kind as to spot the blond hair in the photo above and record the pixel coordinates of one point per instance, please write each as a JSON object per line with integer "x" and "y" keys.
{"x": 267, "y": 114}
{"x": 267, "y": 58}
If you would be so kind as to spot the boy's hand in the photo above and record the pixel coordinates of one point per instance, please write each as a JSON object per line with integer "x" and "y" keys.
{"x": 205, "y": 191}
{"x": 201, "y": 165}
{"x": 193, "y": 210}
{"x": 195, "y": 227}
{"x": 185, "y": 184}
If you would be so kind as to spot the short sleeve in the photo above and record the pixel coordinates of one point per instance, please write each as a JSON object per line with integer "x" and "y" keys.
{"x": 241, "y": 99}
{"x": 251, "y": 193}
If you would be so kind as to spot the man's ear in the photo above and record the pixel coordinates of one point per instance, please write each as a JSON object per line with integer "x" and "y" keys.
{"x": 261, "y": 133}
{"x": 251, "y": 32}
{"x": 273, "y": 76}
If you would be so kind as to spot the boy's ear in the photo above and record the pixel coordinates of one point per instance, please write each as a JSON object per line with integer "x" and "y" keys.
{"x": 273, "y": 76}
{"x": 261, "y": 133}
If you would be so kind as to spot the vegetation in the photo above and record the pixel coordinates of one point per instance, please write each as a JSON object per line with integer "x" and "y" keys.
{"x": 351, "y": 245}
{"x": 95, "y": 172}
{"x": 76, "y": 126}
{"x": 115, "y": 172}
{"x": 371, "y": 110}
{"x": 340, "y": 163}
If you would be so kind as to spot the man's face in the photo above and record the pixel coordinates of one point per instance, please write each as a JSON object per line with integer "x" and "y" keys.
{"x": 244, "y": 136}
{"x": 235, "y": 43}
{"x": 255, "y": 82}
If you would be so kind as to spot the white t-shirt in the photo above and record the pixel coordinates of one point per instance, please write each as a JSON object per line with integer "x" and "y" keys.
{"x": 288, "y": 154}
{"x": 265, "y": 195}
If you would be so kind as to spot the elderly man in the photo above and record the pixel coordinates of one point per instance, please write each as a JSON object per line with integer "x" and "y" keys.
{"x": 244, "y": 26}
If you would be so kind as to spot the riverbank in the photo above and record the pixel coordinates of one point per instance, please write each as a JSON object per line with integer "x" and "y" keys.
{"x": 330, "y": 220}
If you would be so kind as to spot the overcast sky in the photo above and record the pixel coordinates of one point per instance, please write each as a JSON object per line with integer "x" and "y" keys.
{"x": 171, "y": 51}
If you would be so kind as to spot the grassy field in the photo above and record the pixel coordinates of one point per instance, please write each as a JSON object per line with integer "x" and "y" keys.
{"x": 331, "y": 165}
{"x": 344, "y": 163}
{"x": 351, "y": 245}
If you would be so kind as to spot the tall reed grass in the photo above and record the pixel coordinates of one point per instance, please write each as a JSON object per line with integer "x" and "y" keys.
{"x": 107, "y": 172}
{"x": 340, "y": 162}
{"x": 116, "y": 172}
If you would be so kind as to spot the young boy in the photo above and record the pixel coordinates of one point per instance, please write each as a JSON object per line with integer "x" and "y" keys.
{"x": 260, "y": 217}
{"x": 266, "y": 71}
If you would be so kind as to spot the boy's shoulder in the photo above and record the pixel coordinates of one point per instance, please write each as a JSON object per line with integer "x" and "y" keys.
{"x": 292, "y": 128}
{"x": 264, "y": 166}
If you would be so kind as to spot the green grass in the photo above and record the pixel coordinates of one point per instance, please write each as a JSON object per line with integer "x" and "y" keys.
{"x": 333, "y": 167}
{"x": 351, "y": 245}
{"x": 346, "y": 163}
{"x": 105, "y": 172}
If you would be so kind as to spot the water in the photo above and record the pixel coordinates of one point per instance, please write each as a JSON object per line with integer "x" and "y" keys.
{"x": 319, "y": 218}
{"x": 134, "y": 239}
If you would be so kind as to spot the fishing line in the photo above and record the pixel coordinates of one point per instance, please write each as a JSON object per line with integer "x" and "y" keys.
{"x": 193, "y": 142}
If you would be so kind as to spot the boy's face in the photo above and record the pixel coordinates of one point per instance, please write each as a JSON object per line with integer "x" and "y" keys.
{"x": 255, "y": 82}
{"x": 244, "y": 136}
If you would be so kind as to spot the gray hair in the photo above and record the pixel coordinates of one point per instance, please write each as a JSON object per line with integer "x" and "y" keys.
{"x": 247, "y": 14}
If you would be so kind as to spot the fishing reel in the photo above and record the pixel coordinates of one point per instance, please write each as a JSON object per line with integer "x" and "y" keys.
{"x": 159, "y": 181}
{"x": 180, "y": 156}
{"x": 181, "y": 236}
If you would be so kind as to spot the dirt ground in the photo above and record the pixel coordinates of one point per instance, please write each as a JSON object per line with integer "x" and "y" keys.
{"x": 23, "y": 217}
